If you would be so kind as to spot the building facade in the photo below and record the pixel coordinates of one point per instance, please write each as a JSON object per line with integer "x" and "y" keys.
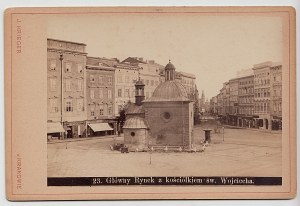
{"x": 66, "y": 94}
{"x": 125, "y": 77}
{"x": 148, "y": 71}
{"x": 262, "y": 96}
{"x": 246, "y": 101}
{"x": 255, "y": 98}
{"x": 100, "y": 90}
{"x": 276, "y": 96}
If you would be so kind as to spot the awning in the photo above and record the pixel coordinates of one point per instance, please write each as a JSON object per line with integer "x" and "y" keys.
{"x": 54, "y": 127}
{"x": 97, "y": 127}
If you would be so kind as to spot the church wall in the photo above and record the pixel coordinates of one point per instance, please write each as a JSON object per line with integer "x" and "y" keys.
{"x": 174, "y": 130}
{"x": 139, "y": 140}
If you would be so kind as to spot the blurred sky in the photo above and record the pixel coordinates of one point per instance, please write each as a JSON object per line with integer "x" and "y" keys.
{"x": 213, "y": 47}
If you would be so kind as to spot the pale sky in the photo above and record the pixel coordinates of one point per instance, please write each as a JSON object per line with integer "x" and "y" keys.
{"x": 213, "y": 48}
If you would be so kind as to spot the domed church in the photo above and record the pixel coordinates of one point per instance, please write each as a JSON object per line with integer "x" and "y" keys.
{"x": 168, "y": 114}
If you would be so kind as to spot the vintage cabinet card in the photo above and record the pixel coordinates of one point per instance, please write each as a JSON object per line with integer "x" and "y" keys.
{"x": 150, "y": 103}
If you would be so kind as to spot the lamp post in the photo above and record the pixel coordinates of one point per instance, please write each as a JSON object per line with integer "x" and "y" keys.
{"x": 61, "y": 58}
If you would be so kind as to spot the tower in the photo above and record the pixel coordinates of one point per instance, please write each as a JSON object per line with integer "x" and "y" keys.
{"x": 169, "y": 72}
{"x": 139, "y": 92}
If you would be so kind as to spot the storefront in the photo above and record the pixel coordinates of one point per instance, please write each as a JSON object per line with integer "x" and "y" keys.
{"x": 96, "y": 128}
{"x": 74, "y": 129}
{"x": 54, "y": 130}
{"x": 277, "y": 123}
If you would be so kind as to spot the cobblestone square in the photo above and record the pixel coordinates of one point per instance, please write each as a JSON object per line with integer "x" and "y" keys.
{"x": 244, "y": 152}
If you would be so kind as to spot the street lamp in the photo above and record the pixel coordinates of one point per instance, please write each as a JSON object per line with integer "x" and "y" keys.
{"x": 61, "y": 58}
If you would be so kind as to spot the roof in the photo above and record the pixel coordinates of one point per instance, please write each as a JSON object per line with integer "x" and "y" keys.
{"x": 133, "y": 60}
{"x": 134, "y": 109}
{"x": 135, "y": 123}
{"x": 186, "y": 75}
{"x": 100, "y": 67}
{"x": 169, "y": 66}
{"x": 169, "y": 91}
{"x": 72, "y": 42}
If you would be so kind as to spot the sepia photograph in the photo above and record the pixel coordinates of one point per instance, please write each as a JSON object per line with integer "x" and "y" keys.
{"x": 199, "y": 96}
{"x": 166, "y": 99}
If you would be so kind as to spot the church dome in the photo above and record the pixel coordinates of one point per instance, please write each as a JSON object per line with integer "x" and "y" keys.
{"x": 135, "y": 123}
{"x": 170, "y": 66}
{"x": 169, "y": 91}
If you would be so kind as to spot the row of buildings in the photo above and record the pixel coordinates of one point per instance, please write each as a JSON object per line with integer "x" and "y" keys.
{"x": 85, "y": 94}
{"x": 252, "y": 99}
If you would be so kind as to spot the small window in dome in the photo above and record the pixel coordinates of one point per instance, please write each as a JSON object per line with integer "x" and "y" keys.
{"x": 167, "y": 115}
{"x": 132, "y": 134}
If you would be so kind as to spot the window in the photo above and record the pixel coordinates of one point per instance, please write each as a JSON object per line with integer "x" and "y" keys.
{"x": 119, "y": 79}
{"x": 69, "y": 107}
{"x": 101, "y": 93}
{"x": 68, "y": 66}
{"x": 152, "y": 82}
{"x": 92, "y": 78}
{"x": 92, "y": 110}
{"x": 109, "y": 94}
{"x": 52, "y": 84}
{"x": 79, "y": 85}
{"x": 119, "y": 92}
{"x": 68, "y": 84}
{"x": 79, "y": 105}
{"x": 53, "y": 105}
{"x": 134, "y": 79}
{"x": 127, "y": 79}
{"x": 101, "y": 111}
{"x": 109, "y": 110}
{"x": 53, "y": 65}
{"x": 109, "y": 80}
{"x": 132, "y": 134}
{"x": 92, "y": 94}
{"x": 126, "y": 92}
{"x": 79, "y": 68}
{"x": 101, "y": 80}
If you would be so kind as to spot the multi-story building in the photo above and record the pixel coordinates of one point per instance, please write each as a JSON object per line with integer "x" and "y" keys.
{"x": 125, "y": 77}
{"x": 226, "y": 98}
{"x": 246, "y": 101}
{"x": 188, "y": 81}
{"x": 66, "y": 94}
{"x": 233, "y": 100}
{"x": 219, "y": 104}
{"x": 276, "y": 96}
{"x": 214, "y": 105}
{"x": 255, "y": 98}
{"x": 100, "y": 90}
{"x": 148, "y": 71}
{"x": 234, "y": 94}
{"x": 262, "y": 95}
